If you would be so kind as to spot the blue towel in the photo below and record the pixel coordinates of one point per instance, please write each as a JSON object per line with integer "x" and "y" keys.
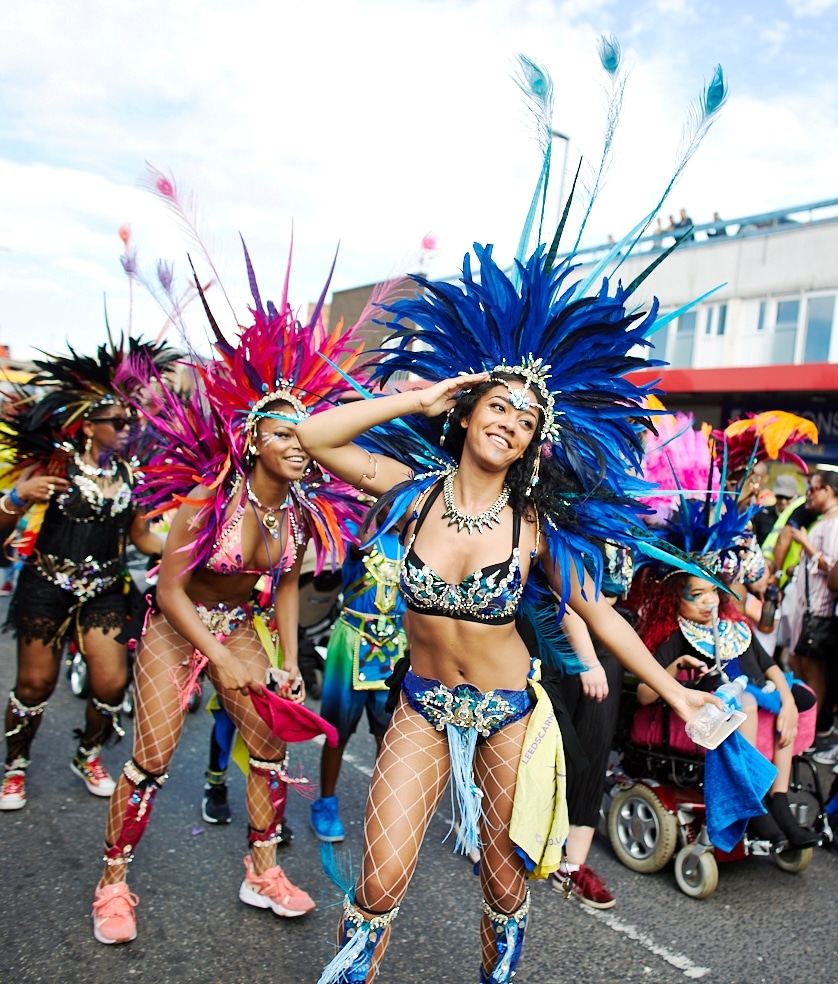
{"x": 736, "y": 779}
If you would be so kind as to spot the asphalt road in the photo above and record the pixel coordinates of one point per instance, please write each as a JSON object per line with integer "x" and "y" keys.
{"x": 760, "y": 925}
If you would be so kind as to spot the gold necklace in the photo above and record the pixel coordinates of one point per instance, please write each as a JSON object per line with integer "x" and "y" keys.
{"x": 471, "y": 523}
{"x": 269, "y": 519}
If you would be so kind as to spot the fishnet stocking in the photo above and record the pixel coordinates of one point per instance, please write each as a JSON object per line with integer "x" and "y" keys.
{"x": 502, "y": 873}
{"x": 158, "y": 723}
{"x": 411, "y": 774}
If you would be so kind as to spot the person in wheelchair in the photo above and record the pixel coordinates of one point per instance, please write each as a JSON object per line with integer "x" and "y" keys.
{"x": 698, "y": 633}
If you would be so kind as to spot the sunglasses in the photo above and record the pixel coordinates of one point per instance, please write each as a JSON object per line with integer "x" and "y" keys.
{"x": 118, "y": 423}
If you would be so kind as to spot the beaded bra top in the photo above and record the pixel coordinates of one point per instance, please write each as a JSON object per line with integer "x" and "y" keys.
{"x": 226, "y": 557}
{"x": 491, "y": 594}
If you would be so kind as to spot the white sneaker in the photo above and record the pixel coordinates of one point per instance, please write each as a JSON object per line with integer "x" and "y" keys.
{"x": 94, "y": 773}
{"x": 829, "y": 756}
{"x": 13, "y": 790}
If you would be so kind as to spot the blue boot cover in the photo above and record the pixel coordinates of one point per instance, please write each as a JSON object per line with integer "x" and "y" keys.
{"x": 509, "y": 933}
{"x": 360, "y": 937}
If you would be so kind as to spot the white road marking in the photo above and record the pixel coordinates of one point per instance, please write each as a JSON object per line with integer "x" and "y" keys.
{"x": 678, "y": 960}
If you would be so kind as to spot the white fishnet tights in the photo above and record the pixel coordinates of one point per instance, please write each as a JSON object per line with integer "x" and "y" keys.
{"x": 158, "y": 725}
{"x": 411, "y": 774}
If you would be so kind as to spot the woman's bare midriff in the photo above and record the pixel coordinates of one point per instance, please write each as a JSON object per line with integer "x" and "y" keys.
{"x": 210, "y": 589}
{"x": 491, "y": 657}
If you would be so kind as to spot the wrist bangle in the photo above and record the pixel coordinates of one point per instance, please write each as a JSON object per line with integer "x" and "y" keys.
{"x": 15, "y": 499}
{"x": 4, "y": 508}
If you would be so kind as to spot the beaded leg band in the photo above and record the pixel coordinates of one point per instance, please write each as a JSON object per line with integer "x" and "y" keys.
{"x": 360, "y": 936}
{"x": 144, "y": 788}
{"x": 111, "y": 714}
{"x": 275, "y": 775}
{"x": 27, "y": 715}
{"x": 509, "y": 938}
{"x": 19, "y": 738}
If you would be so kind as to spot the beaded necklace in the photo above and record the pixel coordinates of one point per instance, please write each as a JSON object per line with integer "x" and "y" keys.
{"x": 471, "y": 523}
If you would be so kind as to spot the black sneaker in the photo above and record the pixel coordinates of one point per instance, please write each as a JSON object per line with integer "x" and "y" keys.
{"x": 215, "y": 808}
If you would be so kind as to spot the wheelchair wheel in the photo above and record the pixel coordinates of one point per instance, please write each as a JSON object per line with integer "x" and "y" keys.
{"x": 794, "y": 861}
{"x": 700, "y": 882}
{"x": 78, "y": 675}
{"x": 642, "y": 832}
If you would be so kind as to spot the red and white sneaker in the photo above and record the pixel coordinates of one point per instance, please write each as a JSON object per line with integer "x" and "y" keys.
{"x": 273, "y": 890}
{"x": 13, "y": 790}
{"x": 586, "y": 885}
{"x": 89, "y": 768}
{"x": 113, "y": 914}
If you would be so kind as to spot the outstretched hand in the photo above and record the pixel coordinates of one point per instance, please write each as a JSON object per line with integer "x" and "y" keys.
{"x": 441, "y": 397}
{"x": 689, "y": 702}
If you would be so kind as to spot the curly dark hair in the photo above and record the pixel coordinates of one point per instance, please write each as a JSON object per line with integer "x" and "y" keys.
{"x": 552, "y": 480}
{"x": 657, "y": 600}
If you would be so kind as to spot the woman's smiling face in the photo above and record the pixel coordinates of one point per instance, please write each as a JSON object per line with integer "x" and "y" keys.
{"x": 499, "y": 429}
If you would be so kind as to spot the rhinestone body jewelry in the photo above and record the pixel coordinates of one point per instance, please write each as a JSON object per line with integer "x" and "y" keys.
{"x": 471, "y": 523}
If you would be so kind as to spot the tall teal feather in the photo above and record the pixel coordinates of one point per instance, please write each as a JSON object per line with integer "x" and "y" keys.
{"x": 701, "y": 115}
{"x": 534, "y": 81}
{"x": 610, "y": 56}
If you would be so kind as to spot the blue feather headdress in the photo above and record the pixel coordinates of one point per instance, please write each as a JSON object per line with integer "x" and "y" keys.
{"x": 571, "y": 340}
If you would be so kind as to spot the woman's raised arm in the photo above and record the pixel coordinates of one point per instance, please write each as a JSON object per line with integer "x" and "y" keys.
{"x": 327, "y": 437}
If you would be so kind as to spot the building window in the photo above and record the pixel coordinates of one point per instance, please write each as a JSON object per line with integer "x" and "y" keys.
{"x": 717, "y": 319}
{"x": 785, "y": 332}
{"x": 819, "y": 315}
{"x": 682, "y": 344}
{"x": 761, "y": 316}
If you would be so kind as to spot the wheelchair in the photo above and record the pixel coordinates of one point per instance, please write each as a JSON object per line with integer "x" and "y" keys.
{"x": 655, "y": 811}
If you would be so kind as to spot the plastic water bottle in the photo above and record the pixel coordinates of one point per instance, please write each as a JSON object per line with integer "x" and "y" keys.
{"x": 704, "y": 723}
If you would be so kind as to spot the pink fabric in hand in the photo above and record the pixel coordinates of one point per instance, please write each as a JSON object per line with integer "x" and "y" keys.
{"x": 292, "y": 722}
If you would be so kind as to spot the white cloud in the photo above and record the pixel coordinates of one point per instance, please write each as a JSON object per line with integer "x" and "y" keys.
{"x": 365, "y": 123}
{"x": 811, "y": 8}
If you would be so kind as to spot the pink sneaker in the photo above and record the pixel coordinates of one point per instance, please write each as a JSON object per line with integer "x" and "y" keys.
{"x": 272, "y": 890}
{"x": 93, "y": 772}
{"x": 113, "y": 914}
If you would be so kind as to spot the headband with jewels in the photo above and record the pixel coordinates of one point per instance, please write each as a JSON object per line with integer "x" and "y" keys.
{"x": 277, "y": 359}
{"x": 567, "y": 338}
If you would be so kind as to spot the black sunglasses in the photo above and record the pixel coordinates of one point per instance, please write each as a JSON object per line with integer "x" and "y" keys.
{"x": 118, "y": 423}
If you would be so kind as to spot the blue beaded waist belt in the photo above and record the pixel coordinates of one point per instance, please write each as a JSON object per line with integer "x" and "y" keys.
{"x": 465, "y": 714}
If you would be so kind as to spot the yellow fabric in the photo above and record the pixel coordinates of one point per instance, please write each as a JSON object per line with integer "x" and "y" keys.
{"x": 539, "y": 824}
{"x": 239, "y": 753}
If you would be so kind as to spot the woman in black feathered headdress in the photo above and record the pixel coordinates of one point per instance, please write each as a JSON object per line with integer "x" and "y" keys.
{"x": 70, "y": 513}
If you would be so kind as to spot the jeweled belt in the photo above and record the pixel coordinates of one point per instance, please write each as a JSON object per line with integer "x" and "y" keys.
{"x": 84, "y": 579}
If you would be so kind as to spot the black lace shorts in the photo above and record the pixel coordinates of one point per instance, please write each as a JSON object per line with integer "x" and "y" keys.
{"x": 38, "y": 608}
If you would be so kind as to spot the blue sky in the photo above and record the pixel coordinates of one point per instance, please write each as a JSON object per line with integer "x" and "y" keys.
{"x": 367, "y": 124}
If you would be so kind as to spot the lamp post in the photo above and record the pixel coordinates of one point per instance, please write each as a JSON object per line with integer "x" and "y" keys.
{"x": 562, "y": 136}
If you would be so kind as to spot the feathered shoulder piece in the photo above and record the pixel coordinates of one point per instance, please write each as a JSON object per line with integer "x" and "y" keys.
{"x": 767, "y": 436}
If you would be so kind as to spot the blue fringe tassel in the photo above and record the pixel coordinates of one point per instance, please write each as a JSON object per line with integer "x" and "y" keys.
{"x": 465, "y": 795}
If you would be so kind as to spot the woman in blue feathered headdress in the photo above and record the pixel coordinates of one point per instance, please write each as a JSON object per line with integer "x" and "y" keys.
{"x": 522, "y": 452}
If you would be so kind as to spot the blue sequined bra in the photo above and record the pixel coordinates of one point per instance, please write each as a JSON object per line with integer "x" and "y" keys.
{"x": 488, "y": 595}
